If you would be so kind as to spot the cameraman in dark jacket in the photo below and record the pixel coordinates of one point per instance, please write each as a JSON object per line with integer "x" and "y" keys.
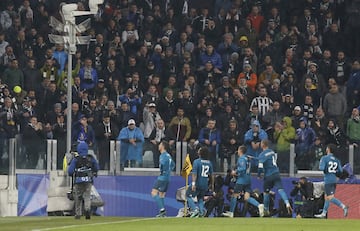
{"x": 303, "y": 197}
{"x": 84, "y": 167}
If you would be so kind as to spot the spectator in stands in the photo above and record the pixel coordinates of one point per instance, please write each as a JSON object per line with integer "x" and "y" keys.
{"x": 252, "y": 116}
{"x": 61, "y": 56}
{"x": 305, "y": 137}
{"x": 158, "y": 134}
{"x": 184, "y": 45}
{"x": 319, "y": 123}
{"x": 275, "y": 92}
{"x": 167, "y": 106}
{"x": 335, "y": 105}
{"x": 256, "y": 18}
{"x": 82, "y": 131}
{"x": 249, "y": 75}
{"x": 309, "y": 89}
{"x": 100, "y": 89}
{"x": 211, "y": 55}
{"x": 105, "y": 131}
{"x": 173, "y": 85}
{"x": 353, "y": 127}
{"x": 210, "y": 94}
{"x": 353, "y": 133}
{"x": 231, "y": 138}
{"x": 240, "y": 104}
{"x": 151, "y": 96}
{"x": 115, "y": 91}
{"x": 284, "y": 135}
{"x": 125, "y": 115}
{"x": 51, "y": 116}
{"x": 180, "y": 125}
{"x": 268, "y": 75}
{"x": 7, "y": 15}
{"x": 50, "y": 71}
{"x": 263, "y": 102}
{"x": 188, "y": 103}
{"x": 353, "y": 86}
{"x": 131, "y": 144}
{"x": 34, "y": 142}
{"x": 341, "y": 70}
{"x": 193, "y": 87}
{"x": 247, "y": 35}
{"x": 210, "y": 137}
{"x": 249, "y": 57}
{"x": 9, "y": 118}
{"x": 225, "y": 88}
{"x": 272, "y": 117}
{"x": 335, "y": 135}
{"x": 226, "y": 48}
{"x": 169, "y": 63}
{"x": 252, "y": 140}
{"x": 132, "y": 99}
{"x": 13, "y": 75}
{"x": 232, "y": 68}
{"x": 308, "y": 109}
{"x": 150, "y": 116}
{"x": 32, "y": 76}
{"x": 88, "y": 76}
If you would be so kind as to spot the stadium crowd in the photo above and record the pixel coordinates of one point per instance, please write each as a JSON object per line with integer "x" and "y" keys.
{"x": 219, "y": 73}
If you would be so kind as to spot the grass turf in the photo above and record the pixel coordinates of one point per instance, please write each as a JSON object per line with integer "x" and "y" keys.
{"x": 174, "y": 224}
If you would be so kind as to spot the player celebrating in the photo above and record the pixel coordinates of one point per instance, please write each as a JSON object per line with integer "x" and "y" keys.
{"x": 166, "y": 165}
{"x": 243, "y": 184}
{"x": 201, "y": 177}
{"x": 267, "y": 164}
{"x": 330, "y": 165}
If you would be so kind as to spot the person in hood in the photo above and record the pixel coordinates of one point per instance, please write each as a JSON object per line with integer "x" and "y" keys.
{"x": 305, "y": 138}
{"x": 284, "y": 135}
{"x": 252, "y": 140}
{"x": 83, "y": 168}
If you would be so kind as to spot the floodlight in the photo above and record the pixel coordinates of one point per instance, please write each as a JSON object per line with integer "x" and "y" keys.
{"x": 68, "y": 9}
{"x": 93, "y": 5}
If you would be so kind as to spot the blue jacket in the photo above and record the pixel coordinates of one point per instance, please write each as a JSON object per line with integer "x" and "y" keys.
{"x": 211, "y": 135}
{"x": 249, "y": 137}
{"x": 132, "y": 102}
{"x": 82, "y": 150}
{"x": 305, "y": 138}
{"x": 88, "y": 83}
{"x": 215, "y": 58}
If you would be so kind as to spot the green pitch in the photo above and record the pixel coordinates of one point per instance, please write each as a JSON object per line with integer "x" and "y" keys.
{"x": 175, "y": 224}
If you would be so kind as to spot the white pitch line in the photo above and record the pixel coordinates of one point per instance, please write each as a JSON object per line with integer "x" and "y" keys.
{"x": 94, "y": 224}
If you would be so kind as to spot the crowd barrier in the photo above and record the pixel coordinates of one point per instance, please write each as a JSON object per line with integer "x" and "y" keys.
{"x": 55, "y": 183}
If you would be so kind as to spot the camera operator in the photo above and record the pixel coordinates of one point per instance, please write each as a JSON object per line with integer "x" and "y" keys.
{"x": 84, "y": 167}
{"x": 303, "y": 197}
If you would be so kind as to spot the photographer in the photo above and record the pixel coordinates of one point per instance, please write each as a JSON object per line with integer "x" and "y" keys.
{"x": 303, "y": 197}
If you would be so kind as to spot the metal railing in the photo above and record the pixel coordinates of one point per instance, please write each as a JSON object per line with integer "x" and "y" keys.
{"x": 16, "y": 153}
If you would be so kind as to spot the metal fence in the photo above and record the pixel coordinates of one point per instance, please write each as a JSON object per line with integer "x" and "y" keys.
{"x": 15, "y": 159}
